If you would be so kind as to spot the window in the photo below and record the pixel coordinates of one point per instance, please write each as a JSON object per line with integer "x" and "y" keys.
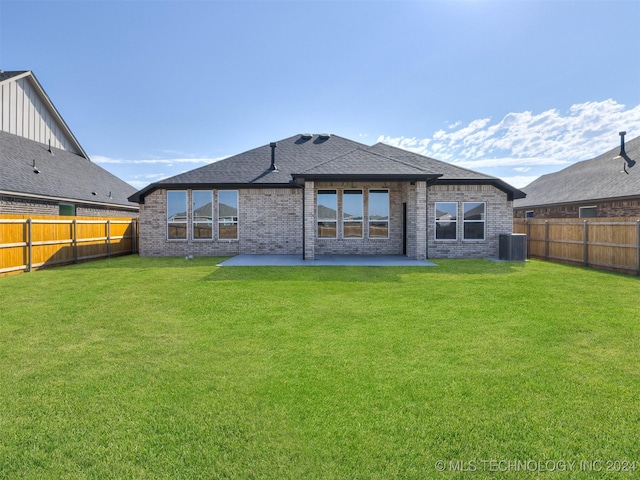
{"x": 378, "y": 214}
{"x": 529, "y": 214}
{"x": 227, "y": 214}
{"x": 473, "y": 220}
{"x": 65, "y": 209}
{"x": 446, "y": 220}
{"x": 588, "y": 212}
{"x": 177, "y": 215}
{"x": 327, "y": 214}
{"x": 202, "y": 215}
{"x": 352, "y": 213}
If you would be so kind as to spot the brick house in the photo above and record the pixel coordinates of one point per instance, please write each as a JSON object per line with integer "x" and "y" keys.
{"x": 45, "y": 170}
{"x": 323, "y": 194}
{"x": 605, "y": 186}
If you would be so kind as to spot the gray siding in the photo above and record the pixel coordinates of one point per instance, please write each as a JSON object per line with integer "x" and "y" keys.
{"x": 27, "y": 114}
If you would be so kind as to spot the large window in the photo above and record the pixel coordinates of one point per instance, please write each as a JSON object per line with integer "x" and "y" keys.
{"x": 327, "y": 214}
{"x": 227, "y": 214}
{"x": 446, "y": 220}
{"x": 474, "y": 220}
{"x": 202, "y": 214}
{"x": 378, "y": 214}
{"x": 177, "y": 215}
{"x": 352, "y": 213}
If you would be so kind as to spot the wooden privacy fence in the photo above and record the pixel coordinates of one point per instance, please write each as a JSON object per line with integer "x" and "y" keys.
{"x": 606, "y": 243}
{"x": 31, "y": 242}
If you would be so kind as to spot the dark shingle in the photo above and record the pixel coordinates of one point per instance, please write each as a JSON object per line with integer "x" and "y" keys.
{"x": 318, "y": 156}
{"x": 63, "y": 175}
{"x": 596, "y": 179}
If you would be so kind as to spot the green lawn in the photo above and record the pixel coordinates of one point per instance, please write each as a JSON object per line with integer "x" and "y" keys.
{"x": 167, "y": 368}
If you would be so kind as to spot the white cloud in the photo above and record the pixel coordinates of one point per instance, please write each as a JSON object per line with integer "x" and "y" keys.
{"x": 524, "y": 141}
{"x": 584, "y": 131}
{"x": 509, "y": 162}
{"x": 519, "y": 181}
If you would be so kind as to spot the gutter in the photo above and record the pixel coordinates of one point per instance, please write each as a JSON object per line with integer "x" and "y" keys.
{"x": 69, "y": 200}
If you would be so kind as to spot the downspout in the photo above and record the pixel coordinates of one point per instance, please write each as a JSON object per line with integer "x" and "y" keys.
{"x": 304, "y": 253}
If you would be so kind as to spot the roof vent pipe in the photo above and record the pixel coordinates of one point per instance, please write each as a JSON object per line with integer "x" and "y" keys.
{"x": 622, "y": 152}
{"x": 273, "y": 146}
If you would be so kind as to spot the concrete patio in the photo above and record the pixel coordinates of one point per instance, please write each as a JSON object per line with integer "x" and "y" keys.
{"x": 324, "y": 260}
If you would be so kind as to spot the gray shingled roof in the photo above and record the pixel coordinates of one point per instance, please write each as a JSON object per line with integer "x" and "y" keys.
{"x": 316, "y": 157}
{"x": 63, "y": 175}
{"x": 361, "y": 162}
{"x": 447, "y": 171}
{"x": 600, "y": 178}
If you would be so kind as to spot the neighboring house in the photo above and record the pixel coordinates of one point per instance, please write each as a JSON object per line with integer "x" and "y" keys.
{"x": 605, "y": 186}
{"x": 44, "y": 170}
{"x": 324, "y": 194}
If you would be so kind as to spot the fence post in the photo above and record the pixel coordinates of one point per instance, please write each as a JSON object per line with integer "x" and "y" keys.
{"x": 134, "y": 232}
{"x": 546, "y": 239}
{"x": 585, "y": 250}
{"x": 638, "y": 247}
{"x": 108, "y": 238}
{"x": 75, "y": 240}
{"x": 29, "y": 245}
{"x": 528, "y": 232}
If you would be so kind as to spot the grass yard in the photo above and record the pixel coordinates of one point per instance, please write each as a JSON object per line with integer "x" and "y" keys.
{"x": 166, "y": 368}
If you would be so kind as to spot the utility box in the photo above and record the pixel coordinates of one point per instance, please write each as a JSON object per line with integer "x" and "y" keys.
{"x": 512, "y": 247}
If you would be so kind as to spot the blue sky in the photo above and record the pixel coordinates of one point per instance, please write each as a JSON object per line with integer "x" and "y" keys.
{"x": 514, "y": 89}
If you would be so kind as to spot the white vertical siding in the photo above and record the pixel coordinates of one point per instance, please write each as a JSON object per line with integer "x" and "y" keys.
{"x": 25, "y": 113}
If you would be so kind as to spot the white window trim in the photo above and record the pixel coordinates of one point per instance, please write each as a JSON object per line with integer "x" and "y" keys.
{"x": 436, "y": 221}
{"x": 186, "y": 220}
{"x": 361, "y": 222}
{"x": 218, "y": 222}
{"x": 388, "y": 220}
{"x": 318, "y": 237}
{"x": 587, "y": 207}
{"x": 484, "y": 225}
{"x": 193, "y": 218}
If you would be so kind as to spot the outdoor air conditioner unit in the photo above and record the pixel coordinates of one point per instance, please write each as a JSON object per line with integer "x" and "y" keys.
{"x": 513, "y": 247}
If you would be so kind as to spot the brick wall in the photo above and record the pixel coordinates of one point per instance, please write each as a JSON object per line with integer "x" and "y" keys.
{"x": 363, "y": 246}
{"x": 269, "y": 222}
{"x": 498, "y": 215}
{"x": 612, "y": 208}
{"x": 44, "y": 207}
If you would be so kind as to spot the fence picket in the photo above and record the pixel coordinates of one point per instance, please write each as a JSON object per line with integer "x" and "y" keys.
{"x": 606, "y": 243}
{"x": 28, "y": 242}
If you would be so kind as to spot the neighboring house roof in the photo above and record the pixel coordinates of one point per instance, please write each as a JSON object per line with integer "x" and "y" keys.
{"x": 600, "y": 178}
{"x": 64, "y": 176}
{"x": 35, "y": 138}
{"x": 321, "y": 157}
